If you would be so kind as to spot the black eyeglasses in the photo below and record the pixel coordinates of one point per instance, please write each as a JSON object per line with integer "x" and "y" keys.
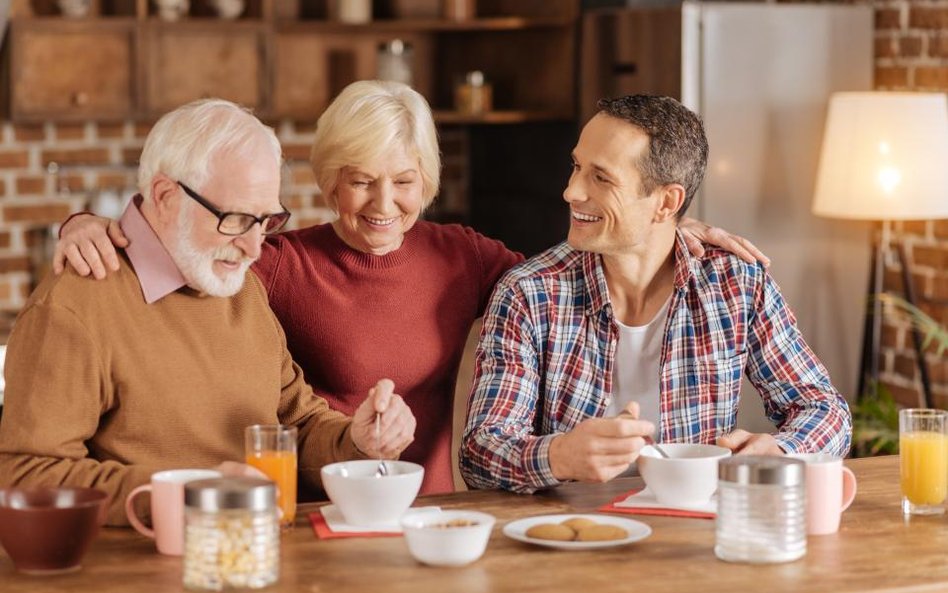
{"x": 238, "y": 223}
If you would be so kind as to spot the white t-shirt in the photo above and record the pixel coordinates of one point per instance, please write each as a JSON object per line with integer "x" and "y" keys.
{"x": 636, "y": 369}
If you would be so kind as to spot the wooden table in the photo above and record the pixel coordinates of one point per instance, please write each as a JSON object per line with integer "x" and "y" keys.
{"x": 875, "y": 550}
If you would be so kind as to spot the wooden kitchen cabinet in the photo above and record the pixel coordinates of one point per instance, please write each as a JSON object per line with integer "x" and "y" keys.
{"x": 193, "y": 60}
{"x": 288, "y": 58}
{"x": 68, "y": 71}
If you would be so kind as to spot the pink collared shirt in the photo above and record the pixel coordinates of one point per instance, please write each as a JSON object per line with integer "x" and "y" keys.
{"x": 157, "y": 273}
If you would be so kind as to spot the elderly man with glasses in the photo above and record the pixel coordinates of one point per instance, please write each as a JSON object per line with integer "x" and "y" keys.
{"x": 166, "y": 362}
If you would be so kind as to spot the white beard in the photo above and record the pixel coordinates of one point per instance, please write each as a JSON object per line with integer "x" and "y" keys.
{"x": 197, "y": 266}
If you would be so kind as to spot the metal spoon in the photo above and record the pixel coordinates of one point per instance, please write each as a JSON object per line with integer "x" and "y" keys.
{"x": 381, "y": 471}
{"x": 650, "y": 440}
{"x": 660, "y": 450}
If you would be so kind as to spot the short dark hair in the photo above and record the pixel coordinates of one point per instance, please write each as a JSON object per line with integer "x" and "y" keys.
{"x": 677, "y": 146}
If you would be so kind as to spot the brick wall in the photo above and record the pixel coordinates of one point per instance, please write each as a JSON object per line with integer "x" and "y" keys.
{"x": 911, "y": 53}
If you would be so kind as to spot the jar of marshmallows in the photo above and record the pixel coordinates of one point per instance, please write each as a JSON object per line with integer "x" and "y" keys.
{"x": 231, "y": 534}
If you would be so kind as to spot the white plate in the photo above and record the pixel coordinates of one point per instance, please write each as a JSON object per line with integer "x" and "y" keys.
{"x": 518, "y": 530}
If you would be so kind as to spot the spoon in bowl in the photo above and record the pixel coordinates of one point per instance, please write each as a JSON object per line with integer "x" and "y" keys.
{"x": 649, "y": 440}
{"x": 659, "y": 449}
{"x": 382, "y": 470}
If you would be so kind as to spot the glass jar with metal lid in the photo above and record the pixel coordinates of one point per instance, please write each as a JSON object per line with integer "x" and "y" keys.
{"x": 761, "y": 509}
{"x": 231, "y": 534}
{"x": 394, "y": 61}
{"x": 474, "y": 95}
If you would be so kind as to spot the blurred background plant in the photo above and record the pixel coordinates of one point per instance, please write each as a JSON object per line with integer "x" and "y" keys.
{"x": 876, "y": 414}
{"x": 934, "y": 334}
{"x": 875, "y": 423}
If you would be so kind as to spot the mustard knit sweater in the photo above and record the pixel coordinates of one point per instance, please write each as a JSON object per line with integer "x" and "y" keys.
{"x": 103, "y": 389}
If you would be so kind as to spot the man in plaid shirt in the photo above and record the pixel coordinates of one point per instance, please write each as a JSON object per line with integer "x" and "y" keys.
{"x": 620, "y": 335}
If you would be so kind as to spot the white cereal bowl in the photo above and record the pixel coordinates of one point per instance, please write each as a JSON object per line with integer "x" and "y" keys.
{"x": 365, "y": 500}
{"x": 688, "y": 477}
{"x": 433, "y": 540}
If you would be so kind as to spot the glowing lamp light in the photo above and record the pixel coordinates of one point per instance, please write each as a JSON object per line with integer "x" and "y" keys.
{"x": 884, "y": 157}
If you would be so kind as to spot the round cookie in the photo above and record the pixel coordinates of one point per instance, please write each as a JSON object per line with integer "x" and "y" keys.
{"x": 596, "y": 533}
{"x": 551, "y": 531}
{"x": 578, "y": 523}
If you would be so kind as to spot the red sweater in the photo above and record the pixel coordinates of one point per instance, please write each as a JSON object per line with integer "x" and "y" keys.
{"x": 352, "y": 318}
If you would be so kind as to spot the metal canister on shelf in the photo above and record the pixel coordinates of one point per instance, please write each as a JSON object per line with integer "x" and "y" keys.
{"x": 394, "y": 61}
{"x": 231, "y": 534}
{"x": 761, "y": 509}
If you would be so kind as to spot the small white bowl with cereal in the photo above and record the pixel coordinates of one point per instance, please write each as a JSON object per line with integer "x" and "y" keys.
{"x": 448, "y": 538}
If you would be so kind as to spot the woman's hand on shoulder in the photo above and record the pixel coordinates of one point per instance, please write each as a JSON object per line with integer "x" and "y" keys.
{"x": 87, "y": 242}
{"x": 696, "y": 232}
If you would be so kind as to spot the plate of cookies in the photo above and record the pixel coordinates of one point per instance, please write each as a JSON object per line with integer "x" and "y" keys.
{"x": 577, "y": 532}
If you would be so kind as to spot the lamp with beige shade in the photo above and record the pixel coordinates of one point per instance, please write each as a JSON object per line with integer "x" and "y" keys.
{"x": 885, "y": 158}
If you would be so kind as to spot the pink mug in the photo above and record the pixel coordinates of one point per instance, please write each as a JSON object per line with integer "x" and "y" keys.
{"x": 167, "y": 507}
{"x": 830, "y": 489}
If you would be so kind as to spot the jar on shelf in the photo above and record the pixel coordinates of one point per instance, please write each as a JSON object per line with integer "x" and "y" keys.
{"x": 172, "y": 10}
{"x": 75, "y": 9}
{"x": 231, "y": 534}
{"x": 229, "y": 9}
{"x": 473, "y": 95}
{"x": 459, "y": 10}
{"x": 394, "y": 61}
{"x": 353, "y": 12}
{"x": 761, "y": 509}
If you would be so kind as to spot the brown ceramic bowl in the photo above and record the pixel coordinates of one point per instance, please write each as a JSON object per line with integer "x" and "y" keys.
{"x": 48, "y": 530}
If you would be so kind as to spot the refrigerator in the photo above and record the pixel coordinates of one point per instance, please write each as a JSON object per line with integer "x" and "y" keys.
{"x": 760, "y": 76}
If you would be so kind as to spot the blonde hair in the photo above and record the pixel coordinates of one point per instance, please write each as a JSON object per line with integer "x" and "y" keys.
{"x": 365, "y": 121}
{"x": 183, "y": 142}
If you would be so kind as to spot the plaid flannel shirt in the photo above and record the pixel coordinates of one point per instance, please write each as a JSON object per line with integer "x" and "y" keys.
{"x": 545, "y": 358}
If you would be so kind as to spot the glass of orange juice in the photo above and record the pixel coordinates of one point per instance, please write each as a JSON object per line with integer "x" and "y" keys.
{"x": 271, "y": 448}
{"x": 923, "y": 460}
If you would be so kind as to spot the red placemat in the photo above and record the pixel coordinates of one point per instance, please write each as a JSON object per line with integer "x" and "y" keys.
{"x": 649, "y": 510}
{"x": 322, "y": 530}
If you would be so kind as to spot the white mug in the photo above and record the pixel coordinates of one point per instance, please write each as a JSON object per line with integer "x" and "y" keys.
{"x": 75, "y": 8}
{"x": 172, "y": 10}
{"x": 229, "y": 9}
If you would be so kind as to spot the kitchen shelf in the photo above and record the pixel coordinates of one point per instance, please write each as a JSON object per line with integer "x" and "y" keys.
{"x": 287, "y": 59}
{"x": 204, "y": 24}
{"x": 424, "y": 25}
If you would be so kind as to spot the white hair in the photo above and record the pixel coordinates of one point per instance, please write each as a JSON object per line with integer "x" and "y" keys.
{"x": 183, "y": 143}
{"x": 368, "y": 119}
